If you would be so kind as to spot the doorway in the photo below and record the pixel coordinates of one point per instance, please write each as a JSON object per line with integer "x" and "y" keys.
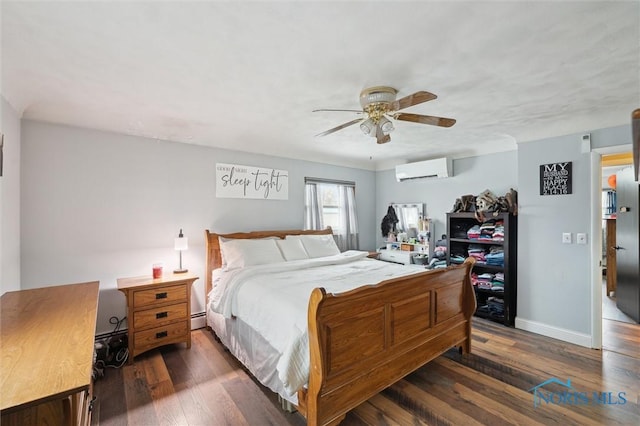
{"x": 611, "y": 164}
{"x": 610, "y": 317}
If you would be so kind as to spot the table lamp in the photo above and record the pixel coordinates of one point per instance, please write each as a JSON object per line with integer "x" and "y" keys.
{"x": 181, "y": 243}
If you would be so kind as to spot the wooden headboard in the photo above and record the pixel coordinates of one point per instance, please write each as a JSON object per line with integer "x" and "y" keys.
{"x": 214, "y": 258}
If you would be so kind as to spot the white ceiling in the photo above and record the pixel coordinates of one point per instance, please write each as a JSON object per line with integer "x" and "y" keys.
{"x": 247, "y": 75}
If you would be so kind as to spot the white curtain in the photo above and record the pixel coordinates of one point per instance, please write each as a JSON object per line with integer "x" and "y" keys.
{"x": 345, "y": 231}
{"x": 347, "y": 235}
{"x": 312, "y": 207}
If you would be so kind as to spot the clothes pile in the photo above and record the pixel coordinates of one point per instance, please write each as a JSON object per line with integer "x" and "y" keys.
{"x": 439, "y": 255}
{"x": 494, "y": 307}
{"x": 487, "y": 204}
{"x": 495, "y": 256}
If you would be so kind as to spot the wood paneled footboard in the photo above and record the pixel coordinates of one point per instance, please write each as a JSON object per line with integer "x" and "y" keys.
{"x": 365, "y": 340}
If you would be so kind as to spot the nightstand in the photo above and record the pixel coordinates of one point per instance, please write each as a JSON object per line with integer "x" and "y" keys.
{"x": 158, "y": 311}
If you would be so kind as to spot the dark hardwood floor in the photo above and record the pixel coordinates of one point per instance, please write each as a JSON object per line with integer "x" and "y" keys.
{"x": 492, "y": 386}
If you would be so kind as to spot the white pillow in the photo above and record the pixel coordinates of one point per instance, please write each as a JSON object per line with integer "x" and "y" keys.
{"x": 247, "y": 252}
{"x": 222, "y": 240}
{"x": 317, "y": 245}
{"x": 292, "y": 249}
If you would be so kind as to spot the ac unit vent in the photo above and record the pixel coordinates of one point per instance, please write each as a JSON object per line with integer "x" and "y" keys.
{"x": 436, "y": 168}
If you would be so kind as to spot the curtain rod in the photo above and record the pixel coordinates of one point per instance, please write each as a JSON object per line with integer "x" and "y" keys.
{"x": 332, "y": 181}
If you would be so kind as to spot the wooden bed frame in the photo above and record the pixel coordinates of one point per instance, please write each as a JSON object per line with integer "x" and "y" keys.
{"x": 364, "y": 340}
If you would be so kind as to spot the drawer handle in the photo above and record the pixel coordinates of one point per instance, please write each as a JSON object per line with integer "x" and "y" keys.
{"x": 161, "y": 295}
{"x": 161, "y": 335}
{"x": 161, "y": 315}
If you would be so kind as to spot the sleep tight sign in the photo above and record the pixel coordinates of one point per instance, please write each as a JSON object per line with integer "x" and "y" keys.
{"x": 238, "y": 181}
{"x": 555, "y": 178}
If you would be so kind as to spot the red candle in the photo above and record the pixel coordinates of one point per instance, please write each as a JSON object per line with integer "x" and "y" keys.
{"x": 157, "y": 270}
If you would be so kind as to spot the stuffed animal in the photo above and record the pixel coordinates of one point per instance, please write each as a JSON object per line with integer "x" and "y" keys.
{"x": 487, "y": 202}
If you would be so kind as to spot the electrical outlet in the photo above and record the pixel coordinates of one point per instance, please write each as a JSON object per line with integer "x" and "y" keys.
{"x": 581, "y": 238}
{"x": 566, "y": 238}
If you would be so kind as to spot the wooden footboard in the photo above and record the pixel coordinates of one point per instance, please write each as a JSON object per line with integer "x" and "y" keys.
{"x": 365, "y": 340}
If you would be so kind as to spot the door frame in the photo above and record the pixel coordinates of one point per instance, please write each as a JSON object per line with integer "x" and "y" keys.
{"x": 596, "y": 243}
{"x": 596, "y": 249}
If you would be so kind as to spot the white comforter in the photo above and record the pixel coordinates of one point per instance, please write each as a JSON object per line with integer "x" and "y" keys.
{"x": 273, "y": 299}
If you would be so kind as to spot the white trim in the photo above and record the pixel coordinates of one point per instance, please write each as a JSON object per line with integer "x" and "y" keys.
{"x": 198, "y": 320}
{"x": 615, "y": 149}
{"x": 596, "y": 251}
{"x": 554, "y": 332}
{"x": 596, "y": 243}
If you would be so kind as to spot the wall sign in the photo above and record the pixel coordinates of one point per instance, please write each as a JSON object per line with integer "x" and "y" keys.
{"x": 236, "y": 181}
{"x": 555, "y": 178}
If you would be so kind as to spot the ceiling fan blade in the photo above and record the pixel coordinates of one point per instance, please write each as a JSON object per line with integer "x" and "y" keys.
{"x": 425, "y": 119}
{"x": 380, "y": 136}
{"x": 340, "y": 127}
{"x": 358, "y": 111}
{"x": 415, "y": 99}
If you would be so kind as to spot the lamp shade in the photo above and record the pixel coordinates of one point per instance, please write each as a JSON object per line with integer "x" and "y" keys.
{"x": 368, "y": 127}
{"x": 182, "y": 242}
{"x": 385, "y": 125}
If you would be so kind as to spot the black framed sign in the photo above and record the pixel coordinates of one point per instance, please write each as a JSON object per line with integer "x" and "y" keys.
{"x": 555, "y": 178}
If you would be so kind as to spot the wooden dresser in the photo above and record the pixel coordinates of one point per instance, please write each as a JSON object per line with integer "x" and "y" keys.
{"x": 158, "y": 311}
{"x": 47, "y": 355}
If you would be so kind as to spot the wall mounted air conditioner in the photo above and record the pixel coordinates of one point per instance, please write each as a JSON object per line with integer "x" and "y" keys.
{"x": 436, "y": 168}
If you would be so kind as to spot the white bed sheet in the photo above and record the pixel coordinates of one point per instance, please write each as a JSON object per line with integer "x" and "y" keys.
{"x": 273, "y": 300}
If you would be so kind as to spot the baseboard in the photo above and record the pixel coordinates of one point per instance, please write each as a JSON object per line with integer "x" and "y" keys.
{"x": 554, "y": 332}
{"x": 198, "y": 320}
{"x": 103, "y": 336}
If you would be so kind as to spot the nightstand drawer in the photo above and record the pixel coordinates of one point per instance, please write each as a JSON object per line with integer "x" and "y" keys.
{"x": 172, "y": 333}
{"x": 156, "y": 317}
{"x": 159, "y": 295}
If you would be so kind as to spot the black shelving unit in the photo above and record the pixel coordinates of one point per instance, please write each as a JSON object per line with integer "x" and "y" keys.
{"x": 459, "y": 223}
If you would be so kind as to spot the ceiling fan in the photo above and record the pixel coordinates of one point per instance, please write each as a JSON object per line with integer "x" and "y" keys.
{"x": 379, "y": 104}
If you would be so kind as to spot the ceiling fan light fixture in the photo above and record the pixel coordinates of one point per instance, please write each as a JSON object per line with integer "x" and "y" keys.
{"x": 368, "y": 127}
{"x": 386, "y": 125}
{"x": 377, "y": 95}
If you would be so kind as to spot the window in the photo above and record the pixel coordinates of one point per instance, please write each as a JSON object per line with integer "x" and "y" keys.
{"x": 328, "y": 193}
{"x": 332, "y": 203}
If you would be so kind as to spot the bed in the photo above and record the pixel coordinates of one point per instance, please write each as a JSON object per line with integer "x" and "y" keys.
{"x": 335, "y": 342}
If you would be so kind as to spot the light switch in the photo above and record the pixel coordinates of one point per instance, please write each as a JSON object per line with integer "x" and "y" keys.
{"x": 581, "y": 238}
{"x": 566, "y": 238}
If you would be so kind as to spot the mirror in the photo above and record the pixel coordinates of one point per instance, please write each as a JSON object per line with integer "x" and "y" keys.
{"x": 410, "y": 218}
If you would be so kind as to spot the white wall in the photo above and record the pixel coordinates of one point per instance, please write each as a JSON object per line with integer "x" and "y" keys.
{"x": 496, "y": 172}
{"x": 554, "y": 279}
{"x": 100, "y": 206}
{"x": 10, "y": 200}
